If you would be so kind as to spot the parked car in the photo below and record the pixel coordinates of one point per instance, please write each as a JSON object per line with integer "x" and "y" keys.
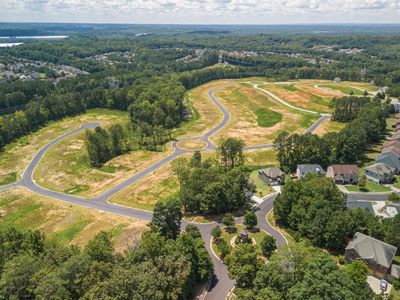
{"x": 384, "y": 285}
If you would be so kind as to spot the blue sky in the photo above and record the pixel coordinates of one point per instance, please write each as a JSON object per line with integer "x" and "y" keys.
{"x": 202, "y": 11}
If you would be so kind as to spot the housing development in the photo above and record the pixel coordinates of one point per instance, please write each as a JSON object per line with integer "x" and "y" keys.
{"x": 199, "y": 161}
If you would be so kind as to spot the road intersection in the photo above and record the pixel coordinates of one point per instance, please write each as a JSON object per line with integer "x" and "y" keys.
{"x": 221, "y": 284}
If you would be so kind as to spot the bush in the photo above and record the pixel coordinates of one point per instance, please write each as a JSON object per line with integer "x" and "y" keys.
{"x": 228, "y": 220}
{"x": 396, "y": 284}
{"x": 341, "y": 259}
{"x": 216, "y": 233}
{"x": 268, "y": 245}
{"x": 250, "y": 220}
{"x": 223, "y": 248}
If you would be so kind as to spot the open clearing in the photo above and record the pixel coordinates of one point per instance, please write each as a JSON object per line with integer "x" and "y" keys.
{"x": 256, "y": 118}
{"x": 66, "y": 223}
{"x": 65, "y": 168}
{"x": 145, "y": 193}
{"x": 16, "y": 156}
{"x": 192, "y": 144}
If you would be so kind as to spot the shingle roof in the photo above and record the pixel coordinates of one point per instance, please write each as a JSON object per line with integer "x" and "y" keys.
{"x": 344, "y": 169}
{"x": 389, "y": 158}
{"x": 311, "y": 168}
{"x": 273, "y": 172}
{"x": 395, "y": 271}
{"x": 392, "y": 149}
{"x": 369, "y": 248}
{"x": 391, "y": 143}
{"x": 379, "y": 168}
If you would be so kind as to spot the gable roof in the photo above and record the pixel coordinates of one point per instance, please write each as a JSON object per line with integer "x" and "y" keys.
{"x": 310, "y": 168}
{"x": 344, "y": 169}
{"x": 379, "y": 168}
{"x": 273, "y": 172}
{"x": 391, "y": 143}
{"x": 395, "y": 271}
{"x": 392, "y": 149}
{"x": 388, "y": 158}
{"x": 372, "y": 249}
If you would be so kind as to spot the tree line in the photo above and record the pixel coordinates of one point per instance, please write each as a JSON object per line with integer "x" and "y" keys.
{"x": 347, "y": 146}
{"x": 33, "y": 267}
{"x": 105, "y": 144}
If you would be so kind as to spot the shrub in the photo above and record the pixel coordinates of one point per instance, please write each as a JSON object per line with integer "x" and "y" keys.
{"x": 223, "y": 248}
{"x": 268, "y": 245}
{"x": 250, "y": 220}
{"x": 396, "y": 284}
{"x": 216, "y": 233}
{"x": 228, "y": 220}
{"x": 341, "y": 260}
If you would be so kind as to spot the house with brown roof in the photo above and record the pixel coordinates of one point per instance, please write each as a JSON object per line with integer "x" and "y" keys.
{"x": 343, "y": 174}
{"x": 272, "y": 176}
{"x": 392, "y": 149}
{"x": 395, "y": 143}
{"x": 376, "y": 254}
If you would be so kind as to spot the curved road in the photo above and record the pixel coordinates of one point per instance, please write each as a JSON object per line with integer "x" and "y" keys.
{"x": 221, "y": 284}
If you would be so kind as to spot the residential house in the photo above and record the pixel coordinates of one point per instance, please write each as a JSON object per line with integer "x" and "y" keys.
{"x": 395, "y": 143}
{"x": 392, "y": 149}
{"x": 376, "y": 254}
{"x": 395, "y": 136}
{"x": 389, "y": 159}
{"x": 303, "y": 170}
{"x": 397, "y": 123}
{"x": 343, "y": 174}
{"x": 380, "y": 173}
{"x": 337, "y": 80}
{"x": 272, "y": 176}
{"x": 394, "y": 272}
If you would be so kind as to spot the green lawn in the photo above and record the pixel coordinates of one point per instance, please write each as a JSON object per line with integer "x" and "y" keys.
{"x": 258, "y": 236}
{"x": 290, "y": 87}
{"x": 263, "y": 189}
{"x": 267, "y": 117}
{"x": 341, "y": 88}
{"x": 371, "y": 187}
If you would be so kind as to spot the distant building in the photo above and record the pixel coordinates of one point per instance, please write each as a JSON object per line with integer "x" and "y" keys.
{"x": 389, "y": 159}
{"x": 272, "y": 176}
{"x": 337, "y": 80}
{"x": 380, "y": 173}
{"x": 376, "y": 254}
{"x": 343, "y": 174}
{"x": 303, "y": 170}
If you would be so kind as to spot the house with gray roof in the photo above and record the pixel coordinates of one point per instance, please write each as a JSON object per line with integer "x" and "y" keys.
{"x": 272, "y": 176}
{"x": 376, "y": 254}
{"x": 395, "y": 272}
{"x": 380, "y": 173}
{"x": 303, "y": 170}
{"x": 390, "y": 160}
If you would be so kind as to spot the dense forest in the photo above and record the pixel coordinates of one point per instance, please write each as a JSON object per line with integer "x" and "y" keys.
{"x": 33, "y": 267}
{"x": 161, "y": 67}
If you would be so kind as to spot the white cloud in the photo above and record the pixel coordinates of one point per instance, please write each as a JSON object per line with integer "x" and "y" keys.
{"x": 198, "y": 11}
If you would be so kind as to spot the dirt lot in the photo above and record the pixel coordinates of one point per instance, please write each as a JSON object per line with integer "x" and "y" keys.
{"x": 66, "y": 223}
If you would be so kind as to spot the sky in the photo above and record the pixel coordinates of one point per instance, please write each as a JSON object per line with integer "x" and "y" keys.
{"x": 201, "y": 11}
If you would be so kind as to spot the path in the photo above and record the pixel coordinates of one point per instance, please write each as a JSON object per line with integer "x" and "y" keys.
{"x": 221, "y": 284}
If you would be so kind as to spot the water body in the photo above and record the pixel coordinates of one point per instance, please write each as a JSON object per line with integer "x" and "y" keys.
{"x": 35, "y": 37}
{"x": 4, "y": 45}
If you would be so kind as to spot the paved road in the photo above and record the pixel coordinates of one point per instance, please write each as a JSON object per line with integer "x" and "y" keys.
{"x": 221, "y": 283}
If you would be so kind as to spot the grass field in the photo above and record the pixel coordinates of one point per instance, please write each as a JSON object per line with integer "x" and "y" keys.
{"x": 144, "y": 194}
{"x": 256, "y": 118}
{"x": 65, "y": 168}
{"x": 16, "y": 156}
{"x": 329, "y": 126}
{"x": 227, "y": 236}
{"x": 260, "y": 158}
{"x": 65, "y": 223}
{"x": 205, "y": 115}
{"x": 192, "y": 145}
{"x": 343, "y": 88}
